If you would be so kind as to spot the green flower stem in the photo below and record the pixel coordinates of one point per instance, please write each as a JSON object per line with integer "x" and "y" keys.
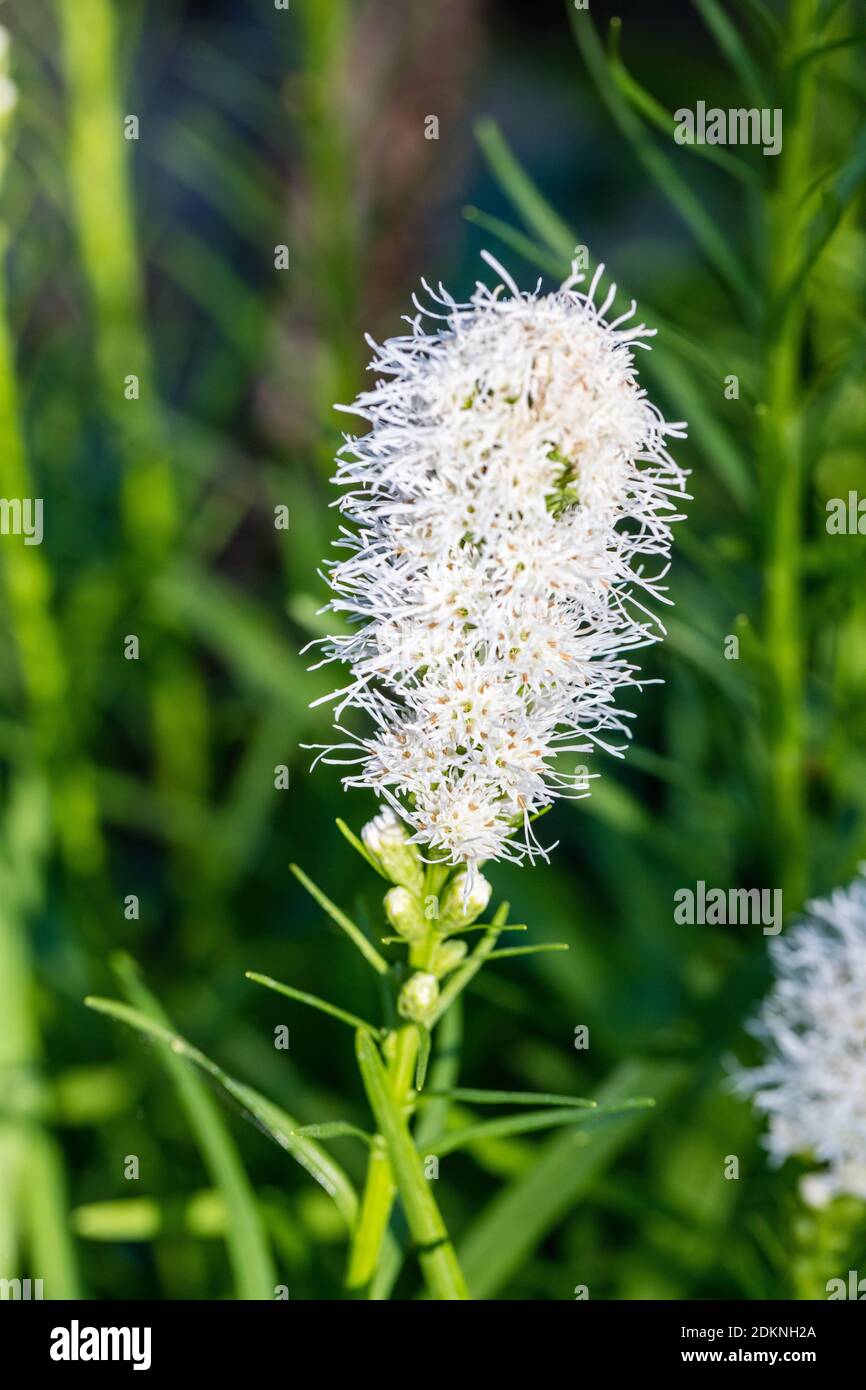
{"x": 782, "y": 450}
{"x": 402, "y": 1051}
{"x": 380, "y": 1187}
{"x": 442, "y": 1272}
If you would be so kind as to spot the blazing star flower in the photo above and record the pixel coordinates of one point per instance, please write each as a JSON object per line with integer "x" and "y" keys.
{"x": 504, "y": 503}
{"x": 812, "y": 1085}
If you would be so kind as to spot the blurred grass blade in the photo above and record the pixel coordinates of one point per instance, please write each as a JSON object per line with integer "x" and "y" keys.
{"x": 518, "y": 242}
{"x": 659, "y": 116}
{"x": 536, "y": 211}
{"x": 733, "y": 46}
{"x": 312, "y": 1000}
{"x": 354, "y": 933}
{"x": 825, "y": 46}
{"x": 249, "y": 1254}
{"x": 717, "y": 444}
{"x": 714, "y": 244}
{"x": 435, "y": 1251}
{"x": 240, "y": 632}
{"x": 522, "y": 1215}
{"x": 270, "y": 1118}
{"x": 203, "y": 1215}
{"x": 844, "y": 187}
{"x": 52, "y": 1251}
{"x": 763, "y": 19}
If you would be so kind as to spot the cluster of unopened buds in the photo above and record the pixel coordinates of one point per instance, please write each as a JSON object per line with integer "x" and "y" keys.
{"x": 425, "y": 920}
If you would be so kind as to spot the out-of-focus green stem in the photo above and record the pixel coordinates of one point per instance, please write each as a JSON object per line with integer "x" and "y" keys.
{"x": 783, "y": 476}
{"x": 106, "y": 224}
{"x": 28, "y": 585}
{"x": 334, "y": 250}
{"x": 32, "y": 1185}
{"x": 102, "y": 201}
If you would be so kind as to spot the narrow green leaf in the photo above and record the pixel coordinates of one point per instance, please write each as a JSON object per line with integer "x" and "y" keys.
{"x": 335, "y": 1129}
{"x": 358, "y": 845}
{"x": 354, "y": 933}
{"x": 486, "y": 926}
{"x": 423, "y": 1057}
{"x": 528, "y": 950}
{"x": 270, "y": 1118}
{"x": 442, "y": 1273}
{"x": 312, "y": 1000}
{"x": 470, "y": 1093}
{"x": 528, "y": 1123}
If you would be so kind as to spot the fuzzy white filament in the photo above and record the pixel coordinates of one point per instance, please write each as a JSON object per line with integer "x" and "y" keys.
{"x": 812, "y": 1085}
{"x": 512, "y": 484}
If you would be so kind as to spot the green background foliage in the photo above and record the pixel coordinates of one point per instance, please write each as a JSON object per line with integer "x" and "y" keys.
{"x": 154, "y": 777}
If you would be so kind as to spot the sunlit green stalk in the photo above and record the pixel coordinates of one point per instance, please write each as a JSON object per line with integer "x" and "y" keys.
{"x": 442, "y": 1273}
{"x": 380, "y": 1189}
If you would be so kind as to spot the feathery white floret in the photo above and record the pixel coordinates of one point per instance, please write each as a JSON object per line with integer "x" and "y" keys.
{"x": 510, "y": 508}
{"x": 812, "y": 1085}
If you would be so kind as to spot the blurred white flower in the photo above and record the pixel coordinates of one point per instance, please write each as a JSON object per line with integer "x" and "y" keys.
{"x": 505, "y": 501}
{"x": 8, "y": 90}
{"x": 812, "y": 1085}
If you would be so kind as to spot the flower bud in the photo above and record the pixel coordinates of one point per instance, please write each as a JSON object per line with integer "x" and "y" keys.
{"x": 418, "y": 997}
{"x": 405, "y": 914}
{"x": 463, "y": 900}
{"x": 386, "y": 839}
{"x": 447, "y": 956}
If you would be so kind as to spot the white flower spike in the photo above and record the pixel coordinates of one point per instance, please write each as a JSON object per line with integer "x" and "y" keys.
{"x": 504, "y": 503}
{"x": 812, "y": 1085}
